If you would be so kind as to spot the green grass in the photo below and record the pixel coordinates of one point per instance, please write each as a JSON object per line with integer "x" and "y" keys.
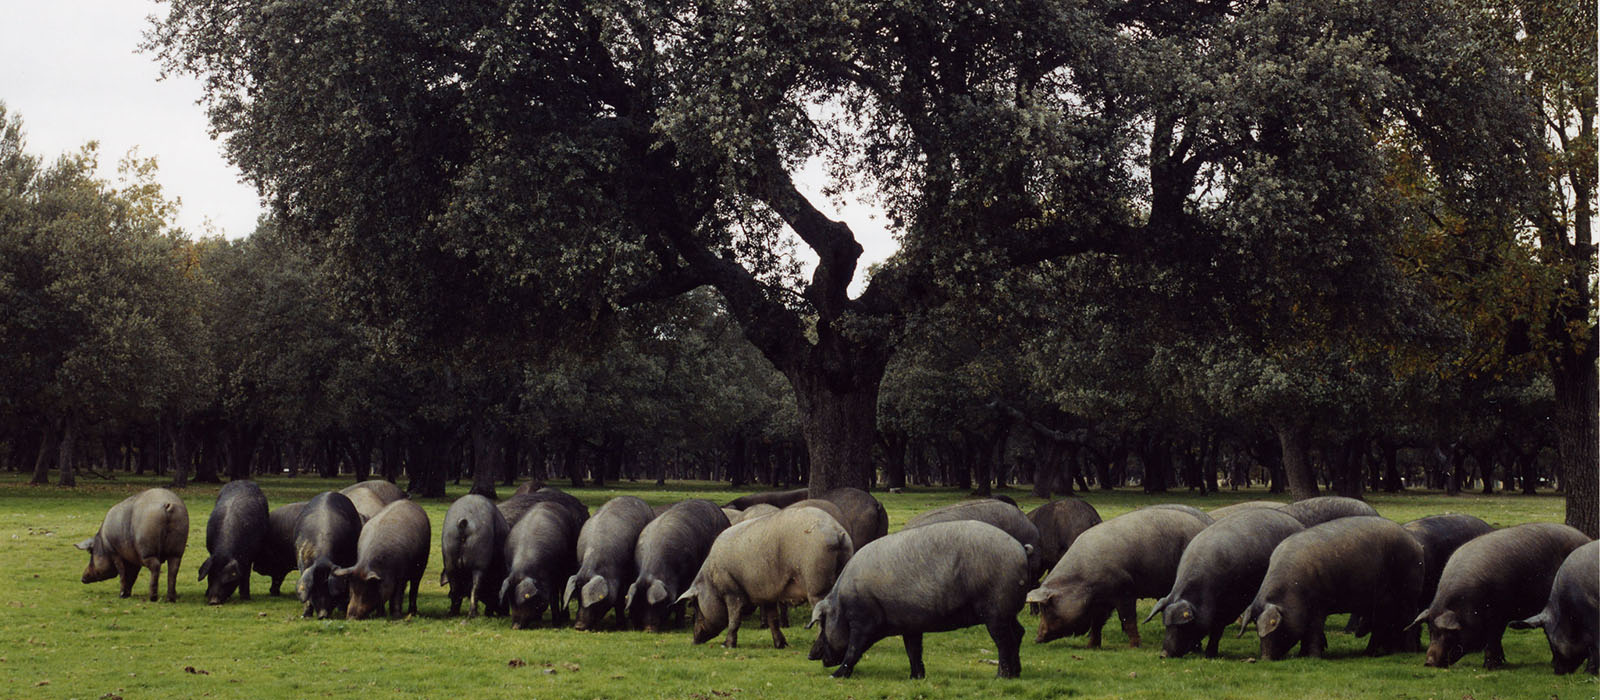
{"x": 60, "y": 638}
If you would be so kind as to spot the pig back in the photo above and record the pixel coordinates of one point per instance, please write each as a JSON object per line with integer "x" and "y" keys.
{"x": 1440, "y": 536}
{"x": 277, "y": 547}
{"x": 238, "y": 523}
{"x": 1136, "y": 553}
{"x": 864, "y": 517}
{"x": 328, "y": 526}
{"x": 776, "y": 499}
{"x": 1223, "y": 566}
{"x": 1343, "y": 565}
{"x": 938, "y": 577}
{"x": 1316, "y": 511}
{"x": 673, "y": 545}
{"x": 1506, "y": 574}
{"x": 158, "y": 525}
{"x": 385, "y": 491}
{"x": 1000, "y": 514}
{"x": 395, "y": 542}
{"x": 473, "y": 534}
{"x": 1059, "y": 524}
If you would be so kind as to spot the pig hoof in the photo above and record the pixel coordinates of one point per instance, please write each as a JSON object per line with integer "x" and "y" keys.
{"x": 842, "y": 672}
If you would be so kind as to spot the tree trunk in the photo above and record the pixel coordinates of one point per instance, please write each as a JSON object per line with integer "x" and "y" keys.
{"x": 1391, "y": 468}
{"x": 486, "y": 460}
{"x": 1577, "y": 432}
{"x": 45, "y": 457}
{"x": 69, "y": 456}
{"x": 182, "y": 456}
{"x": 839, "y": 419}
{"x": 1292, "y": 439}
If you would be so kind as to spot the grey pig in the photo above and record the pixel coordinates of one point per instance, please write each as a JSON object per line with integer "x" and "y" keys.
{"x": 935, "y": 578}
{"x": 276, "y": 558}
{"x": 1316, "y": 511}
{"x": 540, "y": 556}
{"x": 790, "y": 557}
{"x": 234, "y": 535}
{"x": 1110, "y": 566}
{"x": 1571, "y": 616}
{"x": 1000, "y": 514}
{"x": 147, "y": 530}
{"x": 472, "y": 545}
{"x": 1363, "y": 565}
{"x": 392, "y": 551}
{"x": 325, "y": 537}
{"x": 605, "y": 560}
{"x": 864, "y": 517}
{"x": 1060, "y": 523}
{"x": 1217, "y": 576}
{"x": 669, "y": 552}
{"x": 1491, "y": 580}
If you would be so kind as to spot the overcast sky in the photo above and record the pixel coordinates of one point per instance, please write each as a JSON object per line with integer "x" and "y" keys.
{"x": 72, "y": 70}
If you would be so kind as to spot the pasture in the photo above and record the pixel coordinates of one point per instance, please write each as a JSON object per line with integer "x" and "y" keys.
{"x": 60, "y": 638}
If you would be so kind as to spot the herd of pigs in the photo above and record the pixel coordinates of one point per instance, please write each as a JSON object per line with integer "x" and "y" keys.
{"x": 1284, "y": 568}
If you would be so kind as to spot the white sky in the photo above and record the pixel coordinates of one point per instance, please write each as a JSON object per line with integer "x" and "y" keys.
{"x": 72, "y": 71}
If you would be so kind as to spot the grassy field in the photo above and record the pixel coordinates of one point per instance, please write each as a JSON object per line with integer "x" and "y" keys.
{"x": 60, "y": 638}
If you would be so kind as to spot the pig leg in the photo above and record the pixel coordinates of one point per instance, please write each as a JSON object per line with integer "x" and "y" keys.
{"x": 1128, "y": 616}
{"x": 154, "y": 565}
{"x": 735, "y": 606}
{"x": 1211, "y": 644}
{"x": 1007, "y": 635}
{"x": 411, "y": 608}
{"x": 914, "y": 653}
{"x": 127, "y": 575}
{"x": 276, "y": 588}
{"x": 1494, "y": 655}
{"x": 244, "y": 585}
{"x": 859, "y": 642}
{"x": 774, "y": 618}
{"x": 172, "y": 578}
{"x": 1096, "y": 622}
{"x": 472, "y": 603}
{"x": 1315, "y": 641}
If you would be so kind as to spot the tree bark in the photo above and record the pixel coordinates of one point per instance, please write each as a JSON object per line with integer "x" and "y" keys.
{"x": 44, "y": 458}
{"x": 838, "y": 418}
{"x": 68, "y": 461}
{"x": 1292, "y": 438}
{"x": 1577, "y": 432}
{"x": 486, "y": 467}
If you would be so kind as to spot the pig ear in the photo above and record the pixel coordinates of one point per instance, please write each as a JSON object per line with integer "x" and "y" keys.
{"x": 1040, "y": 595}
{"x": 818, "y": 611}
{"x": 627, "y": 599}
{"x": 687, "y": 596}
{"x": 341, "y": 573}
{"x": 595, "y": 591}
{"x": 1534, "y": 622}
{"x": 1421, "y": 618}
{"x": 1156, "y": 609}
{"x": 1270, "y": 619}
{"x": 505, "y": 591}
{"x": 657, "y": 593}
{"x": 232, "y": 569}
{"x": 205, "y": 568}
{"x": 1179, "y": 613}
{"x": 444, "y": 577}
{"x": 1244, "y": 620}
{"x": 85, "y": 545}
{"x": 372, "y": 577}
{"x": 571, "y": 590}
{"x": 1447, "y": 620}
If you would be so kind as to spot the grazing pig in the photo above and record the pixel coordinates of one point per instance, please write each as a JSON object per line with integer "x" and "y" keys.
{"x": 1110, "y": 567}
{"x": 147, "y": 529}
{"x": 864, "y": 517}
{"x": 790, "y": 557}
{"x": 669, "y": 552}
{"x": 1440, "y": 536}
{"x": 472, "y": 542}
{"x": 777, "y": 499}
{"x": 1198, "y": 514}
{"x": 824, "y": 506}
{"x": 514, "y": 507}
{"x": 936, "y": 578}
{"x": 276, "y": 558}
{"x": 234, "y": 534}
{"x": 997, "y": 513}
{"x": 386, "y": 491}
{"x": 1363, "y": 565}
{"x": 1491, "y": 580}
{"x": 1217, "y": 576}
{"x": 1060, "y": 523}
{"x": 1225, "y": 511}
{"x": 366, "y": 502}
{"x": 392, "y": 551}
{"x": 1316, "y": 511}
{"x": 1571, "y": 617}
{"x": 325, "y": 538}
{"x": 540, "y": 556}
{"x": 756, "y": 511}
{"x": 605, "y": 560}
